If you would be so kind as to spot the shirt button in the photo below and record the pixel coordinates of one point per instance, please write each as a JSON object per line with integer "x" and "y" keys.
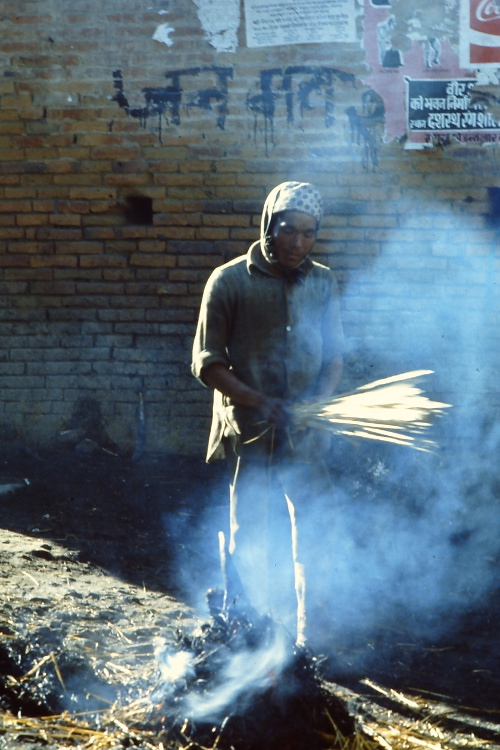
{"x": 289, "y": 328}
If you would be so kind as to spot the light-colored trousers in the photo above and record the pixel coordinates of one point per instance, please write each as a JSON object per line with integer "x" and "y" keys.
{"x": 271, "y": 497}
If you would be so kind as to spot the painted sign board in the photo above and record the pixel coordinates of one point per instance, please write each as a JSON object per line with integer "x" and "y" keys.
{"x": 445, "y": 106}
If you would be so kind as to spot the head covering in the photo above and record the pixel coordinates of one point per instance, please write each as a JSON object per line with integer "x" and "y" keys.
{"x": 291, "y": 196}
{"x": 288, "y": 196}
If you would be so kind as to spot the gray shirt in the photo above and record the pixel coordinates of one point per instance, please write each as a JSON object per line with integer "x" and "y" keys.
{"x": 275, "y": 335}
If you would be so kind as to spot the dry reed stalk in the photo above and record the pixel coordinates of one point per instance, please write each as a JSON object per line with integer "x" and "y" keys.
{"x": 387, "y": 731}
{"x": 392, "y": 410}
{"x": 74, "y": 730}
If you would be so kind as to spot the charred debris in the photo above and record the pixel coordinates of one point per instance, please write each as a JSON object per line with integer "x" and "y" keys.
{"x": 236, "y": 681}
{"x": 248, "y": 685}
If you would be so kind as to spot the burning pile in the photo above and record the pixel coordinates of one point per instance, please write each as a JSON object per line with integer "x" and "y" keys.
{"x": 241, "y": 682}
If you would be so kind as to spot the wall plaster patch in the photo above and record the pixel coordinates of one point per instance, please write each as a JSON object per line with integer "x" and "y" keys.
{"x": 220, "y": 20}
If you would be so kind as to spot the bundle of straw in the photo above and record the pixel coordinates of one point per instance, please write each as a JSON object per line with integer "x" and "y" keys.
{"x": 393, "y": 410}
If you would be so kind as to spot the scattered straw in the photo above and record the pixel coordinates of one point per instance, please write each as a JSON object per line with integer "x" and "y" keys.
{"x": 139, "y": 724}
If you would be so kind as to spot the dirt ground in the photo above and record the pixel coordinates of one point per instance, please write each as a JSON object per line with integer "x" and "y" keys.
{"x": 90, "y": 591}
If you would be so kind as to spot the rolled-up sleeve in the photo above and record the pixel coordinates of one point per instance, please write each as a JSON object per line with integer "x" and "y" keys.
{"x": 210, "y": 342}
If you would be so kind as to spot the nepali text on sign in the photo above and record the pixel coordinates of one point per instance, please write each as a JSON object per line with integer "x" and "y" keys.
{"x": 274, "y": 22}
{"x": 446, "y": 105}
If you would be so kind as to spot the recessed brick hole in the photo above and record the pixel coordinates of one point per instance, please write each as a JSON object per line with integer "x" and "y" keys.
{"x": 139, "y": 209}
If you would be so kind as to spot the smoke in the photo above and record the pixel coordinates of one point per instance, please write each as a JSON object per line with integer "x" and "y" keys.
{"x": 404, "y": 558}
{"x": 427, "y": 306}
{"x": 415, "y": 536}
{"x": 408, "y": 542}
{"x": 247, "y": 672}
{"x": 229, "y": 677}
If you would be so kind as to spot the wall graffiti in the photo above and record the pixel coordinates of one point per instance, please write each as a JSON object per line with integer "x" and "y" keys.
{"x": 299, "y": 90}
{"x": 295, "y": 85}
{"x": 166, "y": 102}
{"x": 262, "y": 105}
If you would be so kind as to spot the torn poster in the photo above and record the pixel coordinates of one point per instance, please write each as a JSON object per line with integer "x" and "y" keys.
{"x": 220, "y": 20}
{"x": 274, "y": 22}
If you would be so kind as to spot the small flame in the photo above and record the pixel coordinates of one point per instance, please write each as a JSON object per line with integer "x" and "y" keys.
{"x": 176, "y": 667}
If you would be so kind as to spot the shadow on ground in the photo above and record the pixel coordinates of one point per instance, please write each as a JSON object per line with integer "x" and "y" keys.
{"x": 111, "y": 510}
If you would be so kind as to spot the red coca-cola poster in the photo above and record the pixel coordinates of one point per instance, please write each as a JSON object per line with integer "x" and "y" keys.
{"x": 480, "y": 33}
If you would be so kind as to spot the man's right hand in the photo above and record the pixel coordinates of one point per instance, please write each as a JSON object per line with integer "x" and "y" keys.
{"x": 275, "y": 411}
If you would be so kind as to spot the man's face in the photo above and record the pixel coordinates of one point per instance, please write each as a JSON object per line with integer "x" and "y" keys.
{"x": 293, "y": 238}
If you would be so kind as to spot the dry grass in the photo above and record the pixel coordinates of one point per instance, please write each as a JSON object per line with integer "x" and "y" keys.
{"x": 392, "y": 410}
{"x": 124, "y": 726}
{"x": 408, "y": 722}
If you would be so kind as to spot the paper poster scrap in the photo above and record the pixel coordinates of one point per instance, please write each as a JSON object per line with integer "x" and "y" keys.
{"x": 274, "y": 22}
{"x": 479, "y": 33}
{"x": 220, "y": 20}
{"x": 162, "y": 34}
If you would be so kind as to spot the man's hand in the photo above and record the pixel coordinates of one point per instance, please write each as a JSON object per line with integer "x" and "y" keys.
{"x": 275, "y": 411}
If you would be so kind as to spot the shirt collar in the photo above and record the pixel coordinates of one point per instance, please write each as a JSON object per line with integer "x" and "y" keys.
{"x": 255, "y": 259}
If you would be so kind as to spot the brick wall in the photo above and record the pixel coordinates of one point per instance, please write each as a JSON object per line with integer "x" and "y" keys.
{"x": 130, "y": 168}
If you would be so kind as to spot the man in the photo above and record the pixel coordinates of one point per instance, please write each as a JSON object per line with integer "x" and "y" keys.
{"x": 269, "y": 335}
